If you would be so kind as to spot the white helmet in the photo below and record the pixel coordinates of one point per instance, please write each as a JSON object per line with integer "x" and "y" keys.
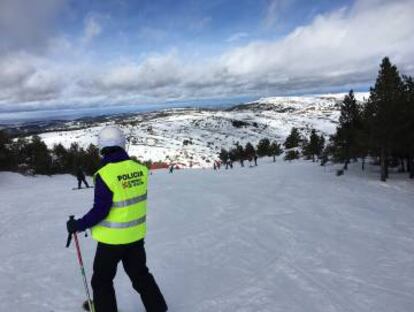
{"x": 111, "y": 136}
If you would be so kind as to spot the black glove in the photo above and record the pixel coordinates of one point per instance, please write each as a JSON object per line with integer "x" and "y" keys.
{"x": 72, "y": 226}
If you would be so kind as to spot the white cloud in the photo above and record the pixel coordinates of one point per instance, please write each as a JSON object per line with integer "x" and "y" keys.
{"x": 13, "y": 70}
{"x": 92, "y": 29}
{"x": 25, "y": 78}
{"x": 237, "y": 37}
{"x": 342, "y": 48}
{"x": 27, "y": 26}
{"x": 275, "y": 10}
{"x": 342, "y": 43}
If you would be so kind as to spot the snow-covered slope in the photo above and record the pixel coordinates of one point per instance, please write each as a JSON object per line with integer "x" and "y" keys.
{"x": 279, "y": 237}
{"x": 193, "y": 137}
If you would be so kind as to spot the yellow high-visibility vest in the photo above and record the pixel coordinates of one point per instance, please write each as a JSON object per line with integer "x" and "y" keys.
{"x": 125, "y": 222}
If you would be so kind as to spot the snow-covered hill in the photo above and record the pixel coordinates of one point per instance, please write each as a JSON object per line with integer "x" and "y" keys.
{"x": 193, "y": 137}
{"x": 275, "y": 238}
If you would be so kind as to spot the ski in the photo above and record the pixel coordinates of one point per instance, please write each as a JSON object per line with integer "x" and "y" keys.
{"x": 82, "y": 188}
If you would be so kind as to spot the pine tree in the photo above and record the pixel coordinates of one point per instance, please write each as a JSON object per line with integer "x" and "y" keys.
{"x": 20, "y": 151}
{"x": 40, "y": 159}
{"x": 363, "y": 139}
{"x": 406, "y": 135}
{"x": 91, "y": 163}
{"x": 321, "y": 145}
{"x": 263, "y": 148}
{"x": 312, "y": 148}
{"x": 74, "y": 157}
{"x": 6, "y": 158}
{"x": 305, "y": 149}
{"x": 383, "y": 109}
{"x": 249, "y": 151}
{"x": 275, "y": 150}
{"x": 60, "y": 159}
{"x": 291, "y": 155}
{"x": 293, "y": 140}
{"x": 345, "y": 138}
{"x": 224, "y": 155}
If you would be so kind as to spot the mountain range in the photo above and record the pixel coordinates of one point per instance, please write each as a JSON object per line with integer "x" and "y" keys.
{"x": 193, "y": 137}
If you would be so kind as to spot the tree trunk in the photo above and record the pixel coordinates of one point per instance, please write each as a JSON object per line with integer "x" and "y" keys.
{"x": 411, "y": 162}
{"x": 387, "y": 166}
{"x": 383, "y": 165}
{"x": 274, "y": 158}
{"x": 402, "y": 162}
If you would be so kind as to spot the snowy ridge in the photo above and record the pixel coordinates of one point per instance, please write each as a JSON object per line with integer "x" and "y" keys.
{"x": 194, "y": 137}
{"x": 275, "y": 238}
{"x": 319, "y": 100}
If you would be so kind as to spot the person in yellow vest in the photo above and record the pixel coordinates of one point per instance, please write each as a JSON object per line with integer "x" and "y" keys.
{"x": 117, "y": 222}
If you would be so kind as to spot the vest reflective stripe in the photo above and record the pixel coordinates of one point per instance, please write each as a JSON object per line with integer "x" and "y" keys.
{"x": 123, "y": 225}
{"x": 129, "y": 202}
{"x": 125, "y": 222}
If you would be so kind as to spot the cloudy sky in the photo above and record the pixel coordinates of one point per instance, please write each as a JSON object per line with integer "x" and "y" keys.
{"x": 89, "y": 54}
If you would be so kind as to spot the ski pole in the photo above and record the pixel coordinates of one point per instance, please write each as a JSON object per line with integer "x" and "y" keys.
{"x": 82, "y": 269}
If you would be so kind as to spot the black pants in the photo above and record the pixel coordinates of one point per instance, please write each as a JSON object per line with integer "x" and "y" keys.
{"x": 80, "y": 182}
{"x": 134, "y": 261}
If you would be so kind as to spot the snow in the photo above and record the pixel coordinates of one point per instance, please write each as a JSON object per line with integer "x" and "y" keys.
{"x": 160, "y": 136}
{"x": 320, "y": 99}
{"x": 278, "y": 237}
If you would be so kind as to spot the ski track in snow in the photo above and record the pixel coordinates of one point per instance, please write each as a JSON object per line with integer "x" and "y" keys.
{"x": 278, "y": 237}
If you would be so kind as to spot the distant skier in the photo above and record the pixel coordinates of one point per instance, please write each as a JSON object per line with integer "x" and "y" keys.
{"x": 172, "y": 168}
{"x": 118, "y": 223}
{"x": 255, "y": 160}
{"x": 217, "y": 165}
{"x": 80, "y": 175}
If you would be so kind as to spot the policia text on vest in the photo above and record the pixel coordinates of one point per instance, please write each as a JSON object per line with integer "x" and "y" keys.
{"x": 131, "y": 179}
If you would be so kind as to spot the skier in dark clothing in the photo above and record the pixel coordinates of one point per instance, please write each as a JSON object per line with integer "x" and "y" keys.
{"x": 117, "y": 222}
{"x": 80, "y": 175}
{"x": 255, "y": 160}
